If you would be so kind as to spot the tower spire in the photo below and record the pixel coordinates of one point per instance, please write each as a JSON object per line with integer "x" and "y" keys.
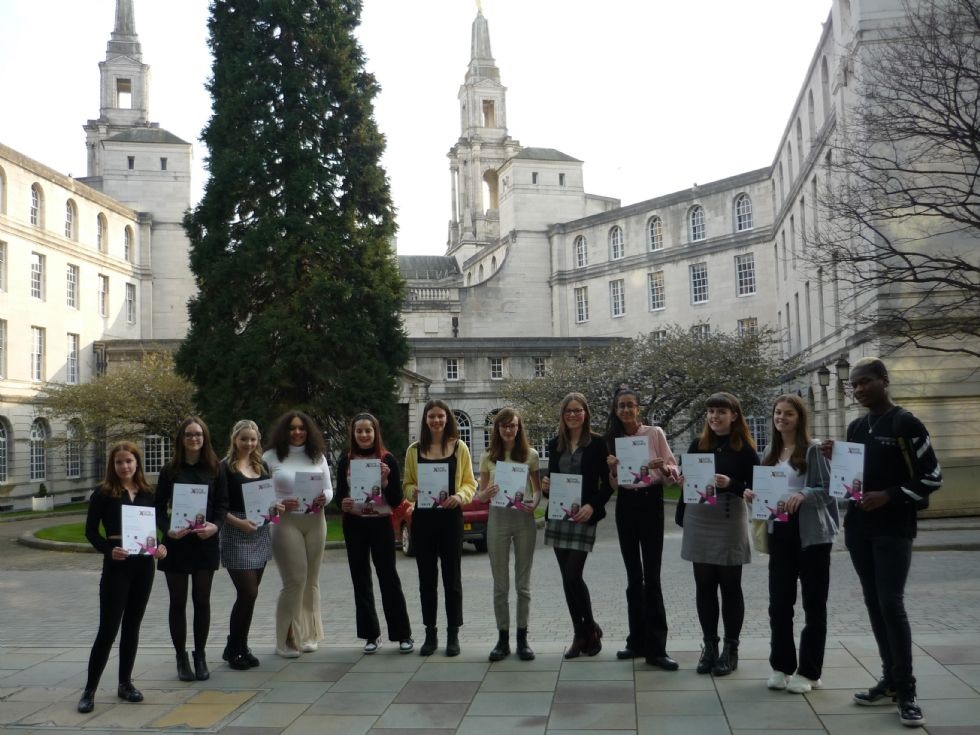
{"x": 124, "y": 41}
{"x": 482, "y": 65}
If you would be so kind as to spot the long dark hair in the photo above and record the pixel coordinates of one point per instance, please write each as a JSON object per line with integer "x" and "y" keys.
{"x": 740, "y": 429}
{"x": 208, "y": 458}
{"x": 521, "y": 447}
{"x": 614, "y": 425}
{"x": 112, "y": 485}
{"x": 378, "y": 450}
{"x": 450, "y": 432}
{"x": 315, "y": 447}
{"x": 564, "y": 438}
{"x": 802, "y": 440}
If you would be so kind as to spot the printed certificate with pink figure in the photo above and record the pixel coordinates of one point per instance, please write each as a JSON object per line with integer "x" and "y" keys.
{"x": 511, "y": 478}
{"x": 306, "y": 487}
{"x": 188, "y": 507}
{"x": 139, "y": 530}
{"x": 564, "y": 497}
{"x": 260, "y": 502}
{"x": 365, "y": 488}
{"x": 633, "y": 453}
{"x": 847, "y": 471}
{"x": 771, "y": 488}
{"x": 699, "y": 478}
{"x": 433, "y": 485}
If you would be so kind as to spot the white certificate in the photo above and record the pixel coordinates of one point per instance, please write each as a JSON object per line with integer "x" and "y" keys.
{"x": 365, "y": 488}
{"x": 139, "y": 529}
{"x": 771, "y": 488}
{"x": 699, "y": 478}
{"x": 306, "y": 487}
{"x": 433, "y": 485}
{"x": 260, "y": 501}
{"x": 633, "y": 453}
{"x": 511, "y": 478}
{"x": 847, "y": 471}
{"x": 188, "y": 507}
{"x": 564, "y": 497}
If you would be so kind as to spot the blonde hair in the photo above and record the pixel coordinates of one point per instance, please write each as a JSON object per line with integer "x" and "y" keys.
{"x": 255, "y": 456}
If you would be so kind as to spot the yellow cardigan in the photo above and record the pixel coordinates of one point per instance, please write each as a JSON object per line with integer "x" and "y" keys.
{"x": 465, "y": 480}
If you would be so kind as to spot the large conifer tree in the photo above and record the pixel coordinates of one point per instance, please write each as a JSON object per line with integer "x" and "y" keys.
{"x": 292, "y": 243}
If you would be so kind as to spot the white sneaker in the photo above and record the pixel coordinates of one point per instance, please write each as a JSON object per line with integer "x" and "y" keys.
{"x": 372, "y": 646}
{"x": 309, "y": 647}
{"x": 406, "y": 646}
{"x": 287, "y": 652}
{"x": 777, "y": 680}
{"x": 801, "y": 685}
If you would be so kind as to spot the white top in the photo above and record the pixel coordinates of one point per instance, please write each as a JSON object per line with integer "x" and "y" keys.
{"x": 795, "y": 478}
{"x": 283, "y": 472}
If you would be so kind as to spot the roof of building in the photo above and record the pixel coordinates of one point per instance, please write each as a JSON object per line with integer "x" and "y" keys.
{"x": 427, "y": 267}
{"x": 545, "y": 154}
{"x": 146, "y": 135}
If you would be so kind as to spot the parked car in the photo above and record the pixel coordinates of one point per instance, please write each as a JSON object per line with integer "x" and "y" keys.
{"x": 475, "y": 516}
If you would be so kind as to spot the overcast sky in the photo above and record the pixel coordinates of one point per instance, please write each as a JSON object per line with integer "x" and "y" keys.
{"x": 653, "y": 96}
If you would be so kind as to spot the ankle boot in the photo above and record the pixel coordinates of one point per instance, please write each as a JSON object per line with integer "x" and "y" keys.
{"x": 431, "y": 642}
{"x": 709, "y": 654}
{"x": 523, "y": 649}
{"x": 452, "y": 641}
{"x": 201, "y": 672}
{"x": 578, "y": 643}
{"x": 593, "y": 641}
{"x": 728, "y": 660}
{"x": 502, "y": 649}
{"x": 184, "y": 672}
{"x": 236, "y": 658}
{"x": 87, "y": 703}
{"x": 247, "y": 654}
{"x": 229, "y": 650}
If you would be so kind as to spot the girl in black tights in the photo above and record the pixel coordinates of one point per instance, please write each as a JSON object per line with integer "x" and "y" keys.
{"x": 126, "y": 579}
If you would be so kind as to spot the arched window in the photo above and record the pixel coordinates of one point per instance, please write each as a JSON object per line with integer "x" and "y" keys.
{"x": 581, "y": 252}
{"x": 128, "y": 243}
{"x": 469, "y": 278}
{"x": 811, "y": 115}
{"x": 101, "y": 233}
{"x": 37, "y": 202}
{"x": 71, "y": 220}
{"x": 3, "y": 191}
{"x": 782, "y": 185}
{"x": 37, "y": 450}
{"x": 799, "y": 142}
{"x": 493, "y": 264}
{"x": 695, "y": 224}
{"x": 480, "y": 273}
{"x": 465, "y": 427}
{"x": 789, "y": 157}
{"x": 73, "y": 450}
{"x": 743, "y": 213}
{"x": 655, "y": 233}
{"x": 488, "y": 428}
{"x": 825, "y": 87}
{"x": 616, "y": 247}
{"x": 4, "y": 454}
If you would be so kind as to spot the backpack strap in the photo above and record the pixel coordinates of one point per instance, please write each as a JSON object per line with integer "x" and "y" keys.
{"x": 903, "y": 444}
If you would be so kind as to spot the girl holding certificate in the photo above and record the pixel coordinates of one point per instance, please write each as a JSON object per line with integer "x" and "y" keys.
{"x": 512, "y": 523}
{"x": 368, "y": 535}
{"x": 799, "y": 549}
{"x": 576, "y": 450}
{"x": 193, "y": 557}
{"x": 437, "y": 532}
{"x": 716, "y": 535}
{"x": 296, "y": 457}
{"x": 640, "y": 523}
{"x": 246, "y": 546}
{"x": 126, "y": 578}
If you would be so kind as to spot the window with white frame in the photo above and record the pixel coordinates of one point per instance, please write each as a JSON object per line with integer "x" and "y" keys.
{"x": 37, "y": 276}
{"x": 699, "y": 282}
{"x": 37, "y": 353}
{"x": 72, "y": 360}
{"x": 701, "y": 331}
{"x": 581, "y": 252}
{"x": 695, "y": 224}
{"x": 655, "y": 233}
{"x": 659, "y": 336}
{"x": 128, "y": 243}
{"x": 465, "y": 427}
{"x": 617, "y": 248}
{"x": 655, "y": 288}
{"x": 758, "y": 430}
{"x": 3, "y": 348}
{"x": 617, "y": 297}
{"x": 73, "y": 451}
{"x": 131, "y": 303}
{"x": 3, "y": 266}
{"x": 103, "y": 295}
{"x": 748, "y": 326}
{"x": 156, "y": 452}
{"x": 453, "y": 368}
{"x": 38, "y": 451}
{"x": 743, "y": 213}
{"x": 35, "y": 209}
{"x": 581, "y": 304}
{"x": 101, "y": 233}
{"x": 745, "y": 274}
{"x": 488, "y": 427}
{"x": 4, "y": 438}
{"x": 496, "y": 368}
{"x": 71, "y": 286}
{"x": 71, "y": 215}
{"x": 540, "y": 367}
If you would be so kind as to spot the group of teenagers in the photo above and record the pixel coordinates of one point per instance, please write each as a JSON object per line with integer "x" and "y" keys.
{"x": 901, "y": 471}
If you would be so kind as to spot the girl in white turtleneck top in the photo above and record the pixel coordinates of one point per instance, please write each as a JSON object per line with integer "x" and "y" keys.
{"x": 296, "y": 445}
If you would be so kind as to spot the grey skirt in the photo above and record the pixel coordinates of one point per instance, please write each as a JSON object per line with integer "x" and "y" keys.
{"x": 241, "y": 550}
{"x": 568, "y": 535}
{"x": 717, "y": 534}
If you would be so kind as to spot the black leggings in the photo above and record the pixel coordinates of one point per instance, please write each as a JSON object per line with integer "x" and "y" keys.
{"x": 200, "y": 596}
{"x": 708, "y": 578}
{"x": 123, "y": 594}
{"x": 571, "y": 563}
{"x": 246, "y": 583}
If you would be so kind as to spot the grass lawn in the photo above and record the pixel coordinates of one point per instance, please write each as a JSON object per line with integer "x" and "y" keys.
{"x": 75, "y": 532}
{"x": 67, "y": 508}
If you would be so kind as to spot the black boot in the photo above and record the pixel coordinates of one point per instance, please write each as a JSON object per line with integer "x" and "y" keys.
{"x": 184, "y": 672}
{"x": 247, "y": 653}
{"x": 201, "y": 672}
{"x": 236, "y": 655}
{"x": 87, "y": 703}
{"x": 593, "y": 642}
{"x": 229, "y": 650}
{"x": 452, "y": 641}
{"x": 728, "y": 660}
{"x": 431, "y": 642}
{"x": 709, "y": 654}
{"x": 523, "y": 649}
{"x": 502, "y": 649}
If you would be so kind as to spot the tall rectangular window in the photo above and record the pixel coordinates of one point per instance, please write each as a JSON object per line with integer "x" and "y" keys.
{"x": 131, "y": 303}
{"x": 809, "y": 314}
{"x": 72, "y": 361}
{"x": 37, "y": 276}
{"x": 452, "y": 368}
{"x": 3, "y": 265}
{"x": 701, "y": 331}
{"x": 745, "y": 274}
{"x": 73, "y": 459}
{"x": 3, "y": 348}
{"x": 37, "y": 353}
{"x": 758, "y": 429}
{"x": 163, "y": 164}
{"x": 496, "y": 368}
{"x": 561, "y": 179}
{"x": 130, "y": 162}
{"x": 699, "y": 283}
{"x": 103, "y": 295}
{"x": 540, "y": 367}
{"x": 617, "y": 297}
{"x": 581, "y": 304}
{"x": 71, "y": 286}
{"x": 655, "y": 287}
{"x": 659, "y": 336}
{"x": 534, "y": 177}
{"x": 156, "y": 452}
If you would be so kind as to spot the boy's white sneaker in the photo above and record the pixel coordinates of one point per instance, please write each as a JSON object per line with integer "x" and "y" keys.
{"x": 777, "y": 680}
{"x": 801, "y": 685}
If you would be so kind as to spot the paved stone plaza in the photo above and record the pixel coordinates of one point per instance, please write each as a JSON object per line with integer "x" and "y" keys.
{"x": 48, "y": 605}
